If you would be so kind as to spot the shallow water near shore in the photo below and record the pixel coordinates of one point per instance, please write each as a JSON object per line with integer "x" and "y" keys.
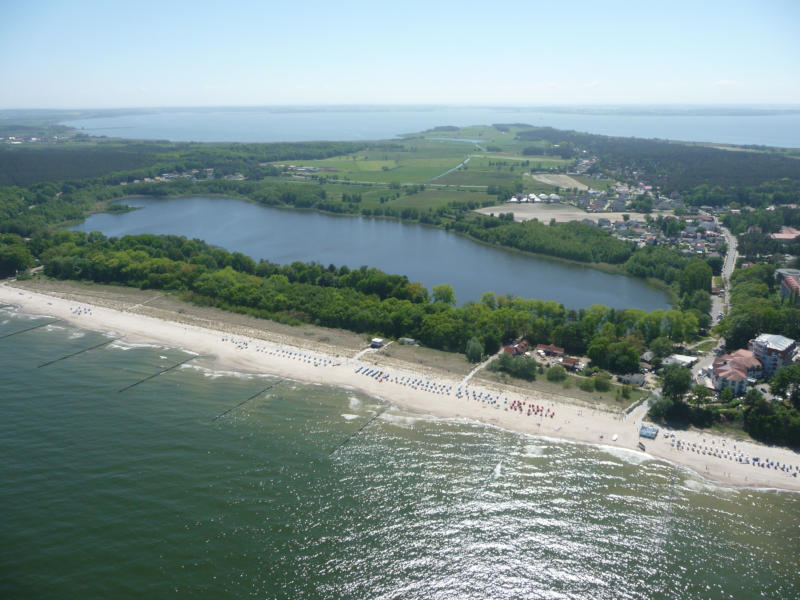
{"x": 143, "y": 493}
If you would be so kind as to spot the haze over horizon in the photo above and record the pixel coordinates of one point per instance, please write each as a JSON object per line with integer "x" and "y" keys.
{"x": 93, "y": 54}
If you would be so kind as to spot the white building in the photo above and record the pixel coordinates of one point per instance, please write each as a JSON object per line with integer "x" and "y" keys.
{"x": 773, "y": 351}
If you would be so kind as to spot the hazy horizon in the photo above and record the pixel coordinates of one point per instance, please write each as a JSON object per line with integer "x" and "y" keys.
{"x": 85, "y": 54}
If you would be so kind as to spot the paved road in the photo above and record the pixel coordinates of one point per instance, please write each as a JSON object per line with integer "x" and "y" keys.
{"x": 728, "y": 265}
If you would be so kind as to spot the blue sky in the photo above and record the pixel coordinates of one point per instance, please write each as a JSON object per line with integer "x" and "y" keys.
{"x": 93, "y": 54}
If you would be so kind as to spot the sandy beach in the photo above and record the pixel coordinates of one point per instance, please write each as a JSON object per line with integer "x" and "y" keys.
{"x": 425, "y": 390}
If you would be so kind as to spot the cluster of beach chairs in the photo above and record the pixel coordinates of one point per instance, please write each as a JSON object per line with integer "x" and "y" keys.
{"x": 532, "y": 410}
{"x": 414, "y": 383}
{"x": 316, "y": 360}
{"x": 734, "y": 454}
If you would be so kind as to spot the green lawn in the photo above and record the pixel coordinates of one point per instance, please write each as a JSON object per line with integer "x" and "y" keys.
{"x": 411, "y": 168}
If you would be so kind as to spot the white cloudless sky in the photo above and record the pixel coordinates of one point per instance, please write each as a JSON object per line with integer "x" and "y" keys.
{"x": 105, "y": 54}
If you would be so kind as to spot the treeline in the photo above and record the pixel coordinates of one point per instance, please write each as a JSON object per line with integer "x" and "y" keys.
{"x": 575, "y": 241}
{"x": 675, "y": 166}
{"x": 757, "y": 308}
{"x": 758, "y": 243}
{"x": 14, "y": 255}
{"x": 769, "y": 221}
{"x": 361, "y": 300}
{"x": 113, "y": 161}
{"x": 29, "y": 164}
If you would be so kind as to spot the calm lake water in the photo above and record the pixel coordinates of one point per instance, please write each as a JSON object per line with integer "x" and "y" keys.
{"x": 363, "y": 123}
{"x": 424, "y": 254}
{"x": 141, "y": 494}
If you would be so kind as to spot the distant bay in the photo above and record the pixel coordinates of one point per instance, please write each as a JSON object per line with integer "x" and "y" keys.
{"x": 722, "y": 125}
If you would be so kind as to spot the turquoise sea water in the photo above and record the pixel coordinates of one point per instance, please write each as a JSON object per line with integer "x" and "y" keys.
{"x": 141, "y": 493}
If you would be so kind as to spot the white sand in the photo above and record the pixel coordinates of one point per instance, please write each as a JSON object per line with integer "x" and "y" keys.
{"x": 276, "y": 357}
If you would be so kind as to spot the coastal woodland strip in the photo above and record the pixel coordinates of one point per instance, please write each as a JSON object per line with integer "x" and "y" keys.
{"x": 26, "y": 211}
{"x": 362, "y": 300}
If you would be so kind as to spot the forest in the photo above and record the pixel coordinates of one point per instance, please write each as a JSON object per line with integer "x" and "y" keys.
{"x": 363, "y": 300}
{"x": 707, "y": 175}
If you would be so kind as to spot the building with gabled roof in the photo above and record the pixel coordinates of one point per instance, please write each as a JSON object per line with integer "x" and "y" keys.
{"x": 733, "y": 371}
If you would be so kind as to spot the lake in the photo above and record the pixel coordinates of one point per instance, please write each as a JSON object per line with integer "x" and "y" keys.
{"x": 293, "y": 124}
{"x": 428, "y": 255}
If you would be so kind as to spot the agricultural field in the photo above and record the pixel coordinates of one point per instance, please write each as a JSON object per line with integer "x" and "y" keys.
{"x": 412, "y": 168}
{"x": 432, "y": 197}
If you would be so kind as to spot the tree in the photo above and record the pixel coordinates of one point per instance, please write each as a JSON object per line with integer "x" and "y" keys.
{"x": 602, "y": 382}
{"x": 474, "y": 350}
{"x": 14, "y": 258}
{"x": 661, "y": 408}
{"x": 489, "y": 299}
{"x": 444, "y": 293}
{"x": 556, "y": 373}
{"x": 661, "y": 347}
{"x": 696, "y": 276}
{"x": 726, "y": 395}
{"x": 701, "y": 394}
{"x": 786, "y": 382}
{"x": 677, "y": 380}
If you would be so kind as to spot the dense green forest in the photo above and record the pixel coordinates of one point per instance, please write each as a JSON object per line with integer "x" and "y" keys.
{"x": 706, "y": 175}
{"x": 113, "y": 161}
{"x": 27, "y": 210}
{"x": 364, "y": 300}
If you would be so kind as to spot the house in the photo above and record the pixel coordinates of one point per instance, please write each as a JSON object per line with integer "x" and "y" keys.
{"x": 636, "y": 379}
{"x": 618, "y": 205}
{"x": 786, "y": 234}
{"x": 790, "y": 289}
{"x": 517, "y": 349}
{"x": 734, "y": 370}
{"x": 680, "y": 359}
{"x": 572, "y": 363}
{"x": 774, "y": 351}
{"x": 647, "y": 357}
{"x": 550, "y": 349}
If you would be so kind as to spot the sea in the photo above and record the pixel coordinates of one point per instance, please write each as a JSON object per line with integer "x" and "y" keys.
{"x": 119, "y": 486}
{"x": 766, "y": 126}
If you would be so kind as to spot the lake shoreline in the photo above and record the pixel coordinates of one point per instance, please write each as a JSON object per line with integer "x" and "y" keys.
{"x": 313, "y": 362}
{"x": 607, "y": 269}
